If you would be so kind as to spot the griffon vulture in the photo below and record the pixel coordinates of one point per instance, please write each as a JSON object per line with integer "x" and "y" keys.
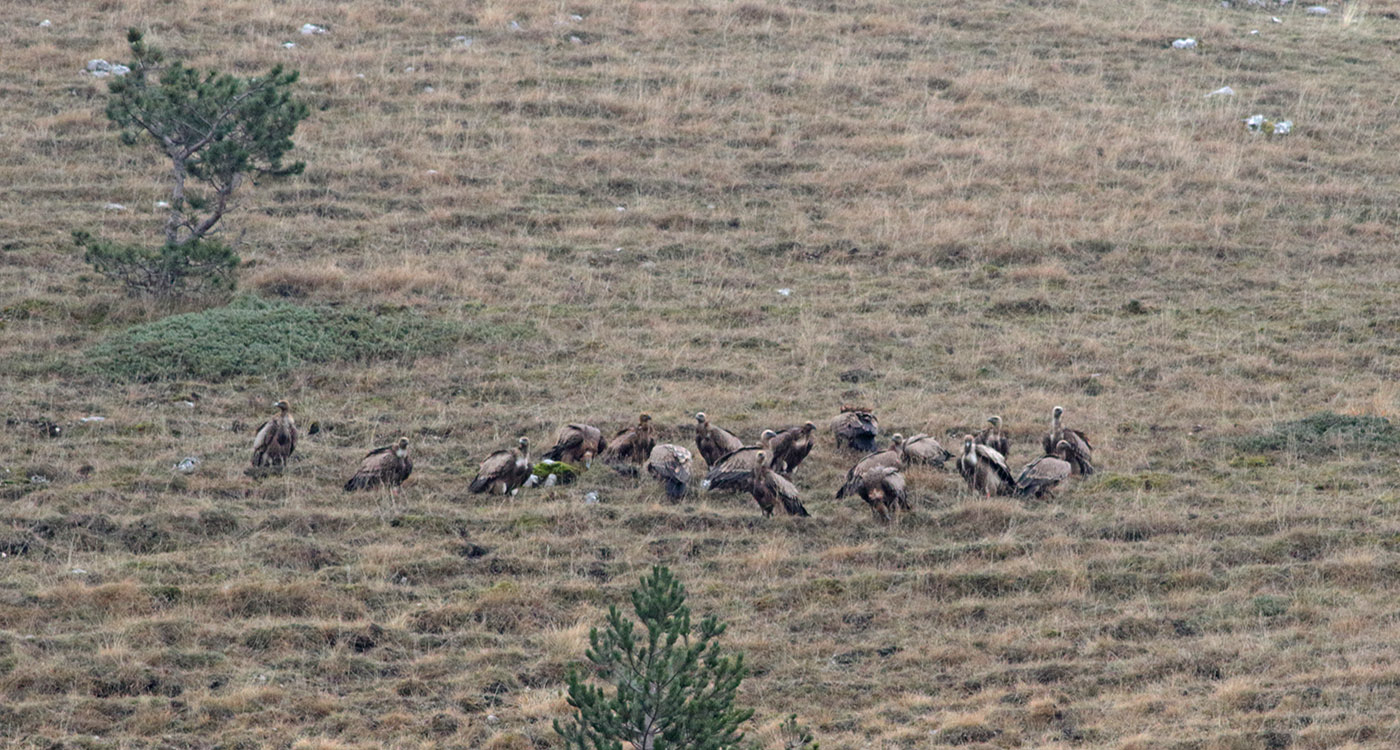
{"x": 733, "y": 472}
{"x": 389, "y": 465}
{"x": 1080, "y": 454}
{"x": 713, "y": 442}
{"x": 276, "y": 439}
{"x": 882, "y": 488}
{"x": 984, "y": 469}
{"x": 503, "y": 471}
{"x": 670, "y": 465}
{"x": 855, "y": 429}
{"x": 992, "y": 437}
{"x": 1040, "y": 476}
{"x": 769, "y": 488}
{"x": 790, "y": 446}
{"x": 924, "y": 449}
{"x": 577, "y": 444}
{"x": 891, "y": 457}
{"x": 631, "y": 445}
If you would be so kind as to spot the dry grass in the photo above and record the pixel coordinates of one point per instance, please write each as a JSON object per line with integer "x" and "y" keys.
{"x": 979, "y": 207}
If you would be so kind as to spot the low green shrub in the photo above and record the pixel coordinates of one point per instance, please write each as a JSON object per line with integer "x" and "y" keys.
{"x": 1325, "y": 431}
{"x": 256, "y": 337}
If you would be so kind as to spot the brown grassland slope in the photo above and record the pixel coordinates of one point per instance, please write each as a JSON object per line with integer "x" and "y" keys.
{"x": 979, "y": 207}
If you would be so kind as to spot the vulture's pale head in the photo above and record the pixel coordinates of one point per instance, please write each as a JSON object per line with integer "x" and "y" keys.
{"x": 700, "y": 417}
{"x": 967, "y": 445}
{"x": 401, "y": 449}
{"x": 761, "y": 460}
{"x": 524, "y": 443}
{"x": 766, "y": 436}
{"x": 644, "y": 418}
{"x": 1062, "y": 448}
{"x": 1057, "y": 412}
{"x": 807, "y": 427}
{"x": 896, "y": 439}
{"x": 996, "y": 421}
{"x": 282, "y": 405}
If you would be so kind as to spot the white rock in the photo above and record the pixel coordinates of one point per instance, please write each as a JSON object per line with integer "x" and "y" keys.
{"x": 1222, "y": 91}
{"x": 1184, "y": 44}
{"x": 1317, "y": 10}
{"x": 409, "y": 69}
{"x": 575, "y": 40}
{"x": 428, "y": 89}
{"x": 492, "y": 718}
{"x": 1254, "y": 32}
{"x": 514, "y": 25}
{"x": 1283, "y": 127}
{"x": 575, "y": 18}
{"x": 288, "y": 45}
{"x": 78, "y": 572}
{"x": 162, "y": 204}
{"x": 432, "y": 171}
{"x": 532, "y": 481}
{"x": 359, "y": 75}
{"x": 551, "y": 480}
{"x": 785, "y": 292}
{"x": 621, "y": 208}
{"x": 1275, "y": 19}
{"x": 187, "y": 465}
{"x": 38, "y": 479}
{"x": 115, "y": 207}
{"x": 1254, "y": 122}
{"x": 92, "y": 419}
{"x": 465, "y": 41}
{"x": 590, "y": 498}
{"x": 187, "y": 404}
{"x": 307, "y": 29}
{"x": 44, "y": 24}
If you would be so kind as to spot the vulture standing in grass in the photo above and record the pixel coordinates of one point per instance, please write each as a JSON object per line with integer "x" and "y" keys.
{"x": 992, "y": 437}
{"x": 790, "y": 446}
{"x": 630, "y": 447}
{"x": 770, "y": 488}
{"x": 504, "y": 471}
{"x": 1080, "y": 454}
{"x": 733, "y": 472}
{"x": 276, "y": 439}
{"x": 924, "y": 449}
{"x": 855, "y": 429}
{"x": 984, "y": 469}
{"x": 1040, "y": 476}
{"x": 882, "y": 488}
{"x": 577, "y": 444}
{"x": 713, "y": 442}
{"x": 892, "y": 457}
{"x": 670, "y": 465}
{"x": 389, "y": 466}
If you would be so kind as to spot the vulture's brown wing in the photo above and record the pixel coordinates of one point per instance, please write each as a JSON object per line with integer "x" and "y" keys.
{"x": 787, "y": 493}
{"x": 926, "y": 449}
{"x": 998, "y": 462}
{"x": 570, "y": 438}
{"x": 497, "y": 466}
{"x": 733, "y": 471}
{"x": 670, "y": 465}
{"x": 263, "y": 441}
{"x": 372, "y": 469}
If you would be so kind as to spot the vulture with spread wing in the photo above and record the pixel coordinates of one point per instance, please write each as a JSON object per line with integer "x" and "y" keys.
{"x": 770, "y": 488}
{"x": 504, "y": 471}
{"x": 992, "y": 437}
{"x": 790, "y": 447}
{"x": 577, "y": 444}
{"x": 387, "y": 466}
{"x": 1080, "y": 454}
{"x": 733, "y": 472}
{"x": 855, "y": 429}
{"x": 276, "y": 439}
{"x": 984, "y": 469}
{"x": 713, "y": 442}
{"x": 925, "y": 449}
{"x": 882, "y": 488}
{"x": 670, "y": 465}
{"x": 1040, "y": 477}
{"x": 892, "y": 457}
{"x": 630, "y": 447}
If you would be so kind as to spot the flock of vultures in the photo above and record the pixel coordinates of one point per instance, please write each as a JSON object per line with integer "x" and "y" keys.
{"x": 764, "y": 470}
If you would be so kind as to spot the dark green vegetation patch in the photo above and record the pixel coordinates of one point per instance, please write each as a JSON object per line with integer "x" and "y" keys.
{"x": 253, "y": 336}
{"x": 1325, "y": 432}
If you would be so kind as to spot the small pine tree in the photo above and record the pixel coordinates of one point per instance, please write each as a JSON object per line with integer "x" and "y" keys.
{"x": 216, "y": 129}
{"x": 796, "y": 736}
{"x": 674, "y": 690}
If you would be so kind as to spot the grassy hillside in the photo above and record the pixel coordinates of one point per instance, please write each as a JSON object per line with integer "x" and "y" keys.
{"x": 979, "y": 208}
